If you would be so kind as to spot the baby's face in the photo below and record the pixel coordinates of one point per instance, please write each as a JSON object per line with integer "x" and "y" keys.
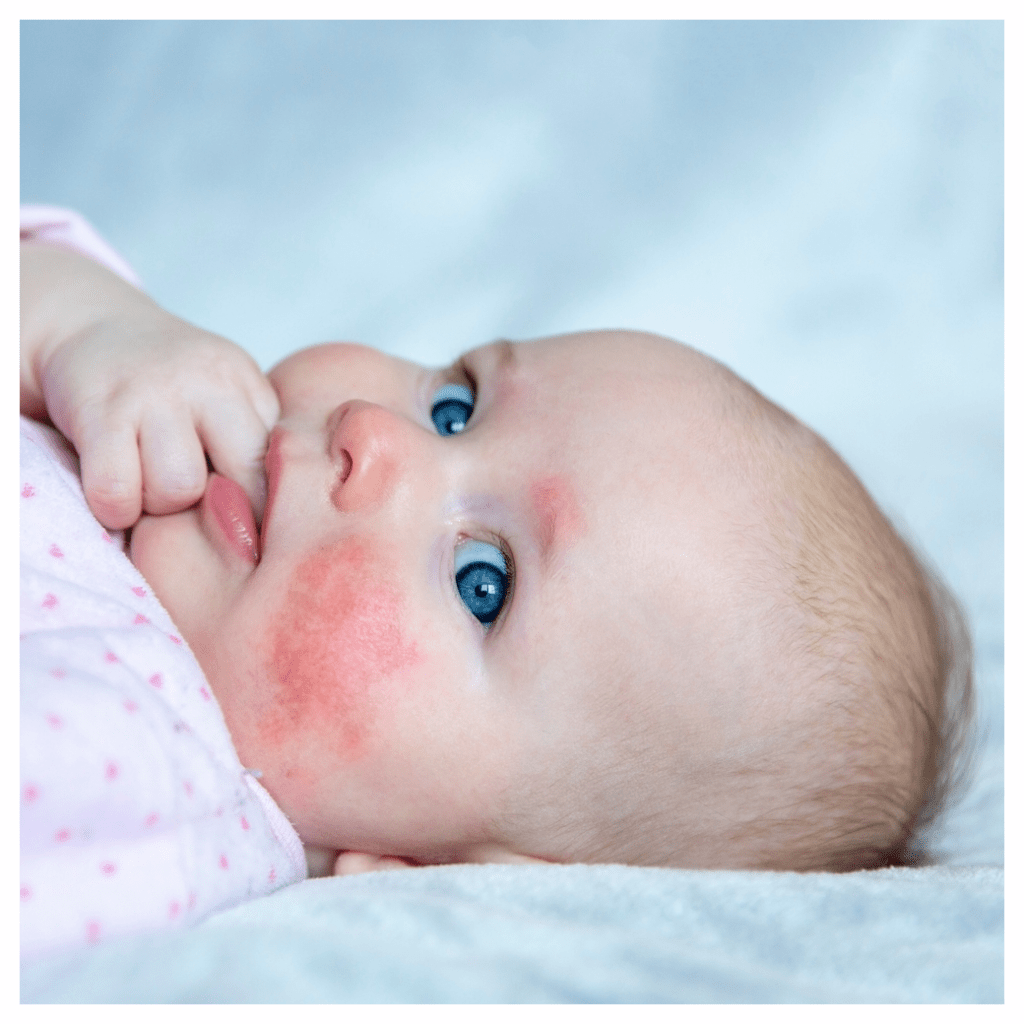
{"x": 447, "y": 627}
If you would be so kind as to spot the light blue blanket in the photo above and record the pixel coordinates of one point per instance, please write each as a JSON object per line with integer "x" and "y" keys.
{"x": 819, "y": 205}
{"x": 496, "y": 933}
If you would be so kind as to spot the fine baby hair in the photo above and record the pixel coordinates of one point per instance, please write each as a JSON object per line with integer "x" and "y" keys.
{"x": 853, "y": 661}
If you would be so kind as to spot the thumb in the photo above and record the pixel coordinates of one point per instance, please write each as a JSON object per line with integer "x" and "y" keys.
{"x": 253, "y": 480}
{"x": 265, "y": 402}
{"x": 235, "y": 440}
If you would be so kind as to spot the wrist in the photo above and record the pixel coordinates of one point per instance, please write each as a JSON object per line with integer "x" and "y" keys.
{"x": 63, "y": 295}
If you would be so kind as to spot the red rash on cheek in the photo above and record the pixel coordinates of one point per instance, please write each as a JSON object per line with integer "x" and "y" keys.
{"x": 336, "y": 643}
{"x": 559, "y": 518}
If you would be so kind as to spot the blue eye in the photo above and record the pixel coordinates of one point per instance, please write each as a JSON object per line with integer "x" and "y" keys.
{"x": 482, "y": 578}
{"x": 451, "y": 408}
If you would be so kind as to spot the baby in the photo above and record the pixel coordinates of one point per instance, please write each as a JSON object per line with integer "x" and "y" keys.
{"x": 590, "y": 598}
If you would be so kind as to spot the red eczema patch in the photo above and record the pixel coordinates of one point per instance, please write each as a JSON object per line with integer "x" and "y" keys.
{"x": 559, "y": 519}
{"x": 337, "y": 640}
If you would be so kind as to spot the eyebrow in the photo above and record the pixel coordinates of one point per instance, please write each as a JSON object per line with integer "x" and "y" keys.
{"x": 505, "y": 356}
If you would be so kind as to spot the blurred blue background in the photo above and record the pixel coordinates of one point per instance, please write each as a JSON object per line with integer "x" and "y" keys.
{"x": 818, "y": 204}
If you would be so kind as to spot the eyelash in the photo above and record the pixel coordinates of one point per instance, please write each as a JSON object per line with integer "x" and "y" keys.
{"x": 501, "y": 544}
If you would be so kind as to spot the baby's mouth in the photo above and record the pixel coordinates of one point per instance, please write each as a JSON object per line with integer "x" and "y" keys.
{"x": 229, "y": 508}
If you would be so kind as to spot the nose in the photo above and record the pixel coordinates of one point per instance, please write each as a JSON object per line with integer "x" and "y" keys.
{"x": 370, "y": 446}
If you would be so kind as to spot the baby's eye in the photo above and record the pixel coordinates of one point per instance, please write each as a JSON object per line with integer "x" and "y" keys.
{"x": 482, "y": 577}
{"x": 451, "y": 408}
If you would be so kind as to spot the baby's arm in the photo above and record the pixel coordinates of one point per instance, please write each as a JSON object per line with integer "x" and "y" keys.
{"x": 141, "y": 394}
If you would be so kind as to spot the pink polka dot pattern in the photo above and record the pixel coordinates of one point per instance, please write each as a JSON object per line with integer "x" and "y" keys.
{"x": 125, "y": 756}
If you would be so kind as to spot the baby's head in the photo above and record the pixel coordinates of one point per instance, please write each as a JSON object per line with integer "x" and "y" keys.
{"x": 590, "y": 598}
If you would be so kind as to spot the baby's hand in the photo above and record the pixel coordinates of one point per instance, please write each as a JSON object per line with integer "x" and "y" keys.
{"x": 348, "y": 862}
{"x": 143, "y": 396}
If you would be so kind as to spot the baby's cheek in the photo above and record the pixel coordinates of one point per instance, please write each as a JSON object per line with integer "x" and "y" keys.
{"x": 339, "y": 655}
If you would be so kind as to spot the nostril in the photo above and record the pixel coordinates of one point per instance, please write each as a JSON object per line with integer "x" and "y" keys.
{"x": 346, "y": 465}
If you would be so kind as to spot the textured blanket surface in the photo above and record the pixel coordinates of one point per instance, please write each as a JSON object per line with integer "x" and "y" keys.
{"x": 496, "y": 933}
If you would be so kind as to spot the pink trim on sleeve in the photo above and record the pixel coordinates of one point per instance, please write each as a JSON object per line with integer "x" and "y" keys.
{"x": 69, "y": 230}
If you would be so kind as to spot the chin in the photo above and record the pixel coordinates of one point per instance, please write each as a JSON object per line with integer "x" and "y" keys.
{"x": 145, "y": 542}
{"x": 163, "y": 549}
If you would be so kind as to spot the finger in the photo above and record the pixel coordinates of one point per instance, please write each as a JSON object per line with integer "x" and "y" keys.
{"x": 256, "y": 387}
{"x": 174, "y": 468}
{"x": 264, "y": 401}
{"x": 111, "y": 473}
{"x": 235, "y": 437}
{"x": 350, "y": 862}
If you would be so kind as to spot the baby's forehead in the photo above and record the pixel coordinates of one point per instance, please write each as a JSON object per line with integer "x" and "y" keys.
{"x": 590, "y": 385}
{"x": 614, "y": 351}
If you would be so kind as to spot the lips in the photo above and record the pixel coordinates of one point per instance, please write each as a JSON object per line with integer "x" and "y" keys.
{"x": 228, "y": 506}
